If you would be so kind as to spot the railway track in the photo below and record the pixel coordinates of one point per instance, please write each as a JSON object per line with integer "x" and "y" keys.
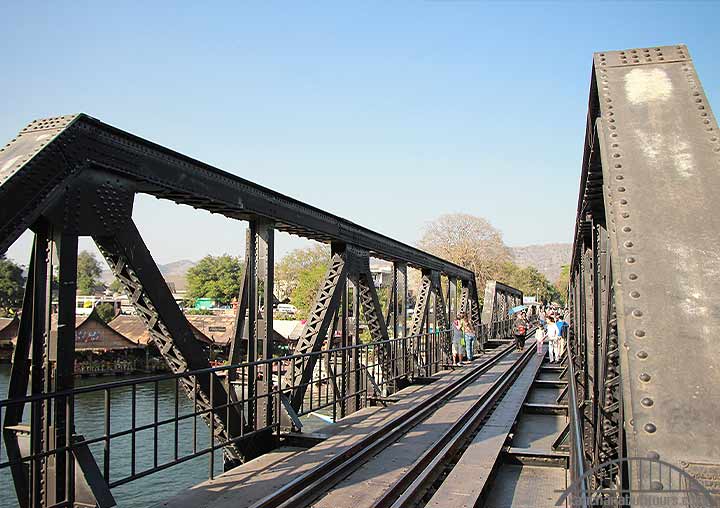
{"x": 307, "y": 488}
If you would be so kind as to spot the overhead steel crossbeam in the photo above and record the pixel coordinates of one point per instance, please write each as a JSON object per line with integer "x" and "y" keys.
{"x": 644, "y": 266}
{"x": 73, "y": 176}
{"x": 48, "y": 152}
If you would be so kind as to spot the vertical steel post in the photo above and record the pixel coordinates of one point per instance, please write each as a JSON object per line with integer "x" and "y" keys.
{"x": 345, "y": 381}
{"x": 62, "y": 359}
{"x": 264, "y": 242}
{"x": 249, "y": 383}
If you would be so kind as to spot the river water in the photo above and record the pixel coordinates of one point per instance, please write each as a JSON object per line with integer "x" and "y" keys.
{"x": 89, "y": 416}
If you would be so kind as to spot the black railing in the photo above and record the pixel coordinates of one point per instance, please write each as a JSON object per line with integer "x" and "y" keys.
{"x": 577, "y": 450}
{"x": 344, "y": 380}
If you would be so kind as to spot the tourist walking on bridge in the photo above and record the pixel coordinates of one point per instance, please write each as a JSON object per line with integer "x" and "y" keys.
{"x": 539, "y": 339}
{"x": 469, "y": 331}
{"x": 562, "y": 327}
{"x": 552, "y": 335}
{"x": 457, "y": 336}
{"x": 520, "y": 326}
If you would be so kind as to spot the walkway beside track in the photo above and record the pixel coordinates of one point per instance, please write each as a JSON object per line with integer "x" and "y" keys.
{"x": 252, "y": 481}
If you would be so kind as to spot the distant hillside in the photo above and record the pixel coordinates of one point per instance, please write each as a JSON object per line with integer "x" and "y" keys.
{"x": 547, "y": 258}
{"x": 173, "y": 272}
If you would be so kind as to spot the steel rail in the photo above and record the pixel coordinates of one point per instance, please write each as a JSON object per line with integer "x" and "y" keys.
{"x": 426, "y": 469}
{"x": 307, "y": 487}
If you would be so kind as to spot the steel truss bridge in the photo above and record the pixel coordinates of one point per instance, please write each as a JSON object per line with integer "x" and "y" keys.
{"x": 639, "y": 368}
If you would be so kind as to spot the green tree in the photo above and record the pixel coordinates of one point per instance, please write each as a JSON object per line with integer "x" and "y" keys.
{"x": 106, "y": 311}
{"x": 88, "y": 273}
{"x": 562, "y": 282}
{"x": 530, "y": 281}
{"x": 116, "y": 286}
{"x": 308, "y": 284}
{"x": 11, "y": 286}
{"x": 216, "y": 277}
{"x": 288, "y": 269}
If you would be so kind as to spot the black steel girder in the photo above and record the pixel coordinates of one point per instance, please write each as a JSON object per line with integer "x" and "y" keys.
{"x": 49, "y": 152}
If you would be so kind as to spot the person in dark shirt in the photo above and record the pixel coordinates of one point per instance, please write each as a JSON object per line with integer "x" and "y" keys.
{"x": 520, "y": 328}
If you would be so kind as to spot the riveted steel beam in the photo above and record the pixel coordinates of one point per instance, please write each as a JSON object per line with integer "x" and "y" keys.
{"x": 650, "y": 175}
{"x": 132, "y": 264}
{"x": 45, "y": 154}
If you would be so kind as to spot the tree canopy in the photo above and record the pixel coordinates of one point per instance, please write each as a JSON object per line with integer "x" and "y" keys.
{"x": 216, "y": 277}
{"x": 299, "y": 273}
{"x": 468, "y": 241}
{"x": 562, "y": 282}
{"x": 295, "y": 262}
{"x": 530, "y": 281}
{"x": 472, "y": 242}
{"x": 11, "y": 286}
{"x": 105, "y": 311}
{"x": 88, "y": 273}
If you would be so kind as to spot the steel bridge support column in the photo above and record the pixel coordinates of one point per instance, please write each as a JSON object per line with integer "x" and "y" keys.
{"x": 399, "y": 314}
{"x": 61, "y": 365}
{"x": 256, "y": 297}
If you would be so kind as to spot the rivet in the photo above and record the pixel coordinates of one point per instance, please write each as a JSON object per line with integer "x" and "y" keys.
{"x": 637, "y": 313}
{"x": 618, "y": 166}
{"x": 647, "y": 402}
{"x": 653, "y": 455}
{"x": 627, "y": 229}
{"x": 635, "y": 294}
{"x": 642, "y": 355}
{"x": 650, "y": 428}
{"x": 619, "y": 177}
{"x": 633, "y": 276}
{"x": 656, "y": 485}
{"x": 644, "y": 377}
{"x": 623, "y": 202}
{"x": 625, "y": 215}
{"x": 628, "y": 244}
{"x": 621, "y": 189}
{"x": 639, "y": 333}
{"x": 630, "y": 260}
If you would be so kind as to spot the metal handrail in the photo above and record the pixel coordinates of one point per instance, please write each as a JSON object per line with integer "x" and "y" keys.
{"x": 240, "y": 366}
{"x": 367, "y": 361}
{"x": 577, "y": 460}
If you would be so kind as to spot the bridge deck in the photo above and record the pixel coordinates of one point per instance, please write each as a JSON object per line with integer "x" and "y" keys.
{"x": 504, "y": 464}
{"x": 364, "y": 487}
{"x": 257, "y": 478}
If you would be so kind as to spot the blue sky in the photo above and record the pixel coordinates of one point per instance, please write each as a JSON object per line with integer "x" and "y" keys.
{"x": 386, "y": 113}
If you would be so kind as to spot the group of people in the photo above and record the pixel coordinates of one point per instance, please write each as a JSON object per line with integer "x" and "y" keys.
{"x": 551, "y": 327}
{"x": 463, "y": 339}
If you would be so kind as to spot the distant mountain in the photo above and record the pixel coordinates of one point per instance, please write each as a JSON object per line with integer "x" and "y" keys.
{"x": 547, "y": 258}
{"x": 177, "y": 267}
{"x": 174, "y": 272}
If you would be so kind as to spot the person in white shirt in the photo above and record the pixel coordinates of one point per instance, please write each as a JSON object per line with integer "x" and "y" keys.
{"x": 553, "y": 342}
